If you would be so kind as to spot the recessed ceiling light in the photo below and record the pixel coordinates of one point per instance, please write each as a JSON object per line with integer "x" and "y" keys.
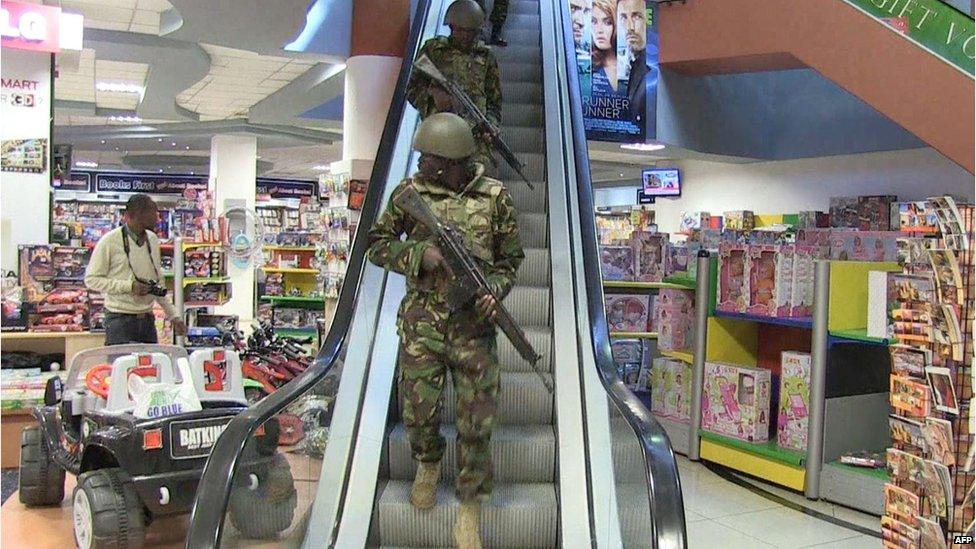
{"x": 187, "y": 147}
{"x": 173, "y": 143}
{"x": 159, "y": 140}
{"x": 131, "y": 119}
{"x": 645, "y": 147}
{"x": 86, "y": 164}
{"x": 320, "y": 167}
{"x": 120, "y": 87}
{"x": 160, "y": 170}
{"x": 116, "y": 148}
{"x": 103, "y": 141}
{"x": 191, "y": 173}
{"x": 621, "y": 174}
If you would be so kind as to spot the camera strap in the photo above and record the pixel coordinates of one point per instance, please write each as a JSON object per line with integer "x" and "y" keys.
{"x": 125, "y": 247}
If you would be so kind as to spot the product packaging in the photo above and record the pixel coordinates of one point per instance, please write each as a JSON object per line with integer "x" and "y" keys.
{"x": 628, "y": 355}
{"x": 694, "y": 221}
{"x": 874, "y": 212}
{"x": 649, "y": 255}
{"x": 627, "y": 312}
{"x": 794, "y": 400}
{"x": 801, "y": 288}
{"x": 674, "y": 319}
{"x": 877, "y": 304}
{"x": 739, "y": 220}
{"x": 671, "y": 389}
{"x": 813, "y": 220}
{"x": 770, "y": 279}
{"x": 864, "y": 245}
{"x": 844, "y": 212}
{"x": 733, "y": 278}
{"x": 736, "y": 401}
{"x": 617, "y": 263}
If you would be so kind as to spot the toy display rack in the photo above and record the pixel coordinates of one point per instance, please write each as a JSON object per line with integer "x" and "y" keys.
{"x": 838, "y": 422}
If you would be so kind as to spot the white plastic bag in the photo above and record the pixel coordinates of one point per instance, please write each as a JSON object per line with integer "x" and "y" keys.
{"x": 156, "y": 400}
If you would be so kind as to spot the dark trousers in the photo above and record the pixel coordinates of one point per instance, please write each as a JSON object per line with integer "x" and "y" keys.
{"x": 121, "y": 328}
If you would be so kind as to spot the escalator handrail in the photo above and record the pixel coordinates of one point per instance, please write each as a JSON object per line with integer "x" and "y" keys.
{"x": 664, "y": 486}
{"x": 216, "y": 482}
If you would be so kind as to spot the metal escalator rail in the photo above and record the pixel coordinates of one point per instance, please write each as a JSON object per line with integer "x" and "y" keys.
{"x": 663, "y": 484}
{"x": 214, "y": 489}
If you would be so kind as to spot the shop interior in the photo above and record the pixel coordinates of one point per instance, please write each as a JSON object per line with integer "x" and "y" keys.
{"x": 750, "y": 259}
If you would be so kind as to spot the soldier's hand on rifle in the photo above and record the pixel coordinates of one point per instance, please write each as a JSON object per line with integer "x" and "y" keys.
{"x": 483, "y": 133}
{"x": 486, "y": 306}
{"x": 443, "y": 101}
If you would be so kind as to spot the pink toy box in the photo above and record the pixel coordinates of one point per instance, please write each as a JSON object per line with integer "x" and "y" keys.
{"x": 650, "y": 250}
{"x": 770, "y": 278}
{"x": 801, "y": 291}
{"x": 617, "y": 262}
{"x": 674, "y": 317}
{"x": 794, "y": 400}
{"x": 671, "y": 389}
{"x": 627, "y": 313}
{"x": 733, "y": 278}
{"x": 864, "y": 245}
{"x": 739, "y": 220}
{"x": 735, "y": 401}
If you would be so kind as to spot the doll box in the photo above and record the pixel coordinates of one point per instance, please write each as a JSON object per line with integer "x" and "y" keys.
{"x": 770, "y": 279}
{"x": 739, "y": 220}
{"x": 617, "y": 263}
{"x": 801, "y": 291}
{"x": 736, "y": 401}
{"x": 650, "y": 252}
{"x": 627, "y": 312}
{"x": 733, "y": 278}
{"x": 694, "y": 221}
{"x": 675, "y": 328}
{"x": 671, "y": 389}
{"x": 864, "y": 245}
{"x": 794, "y": 400}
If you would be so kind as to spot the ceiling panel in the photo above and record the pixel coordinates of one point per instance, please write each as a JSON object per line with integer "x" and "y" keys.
{"x": 140, "y": 16}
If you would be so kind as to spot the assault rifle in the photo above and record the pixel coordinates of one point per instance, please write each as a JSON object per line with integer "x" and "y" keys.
{"x": 469, "y": 282}
{"x": 472, "y": 112}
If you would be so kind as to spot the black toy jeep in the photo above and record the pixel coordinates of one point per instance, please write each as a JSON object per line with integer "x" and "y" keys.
{"x": 131, "y": 469}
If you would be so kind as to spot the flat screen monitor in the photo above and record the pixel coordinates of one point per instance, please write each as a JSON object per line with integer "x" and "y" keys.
{"x": 662, "y": 182}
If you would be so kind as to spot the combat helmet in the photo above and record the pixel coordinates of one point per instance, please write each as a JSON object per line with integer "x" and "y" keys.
{"x": 464, "y": 14}
{"x": 445, "y": 134}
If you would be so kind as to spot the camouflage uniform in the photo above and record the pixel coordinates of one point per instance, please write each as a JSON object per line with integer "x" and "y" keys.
{"x": 475, "y": 71}
{"x": 499, "y": 12}
{"x": 433, "y": 339}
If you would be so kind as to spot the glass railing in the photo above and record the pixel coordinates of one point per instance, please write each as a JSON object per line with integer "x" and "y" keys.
{"x": 262, "y": 476}
{"x": 645, "y": 481}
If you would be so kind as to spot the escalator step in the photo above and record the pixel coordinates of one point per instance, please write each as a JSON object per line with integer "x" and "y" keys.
{"x": 628, "y": 462}
{"x": 633, "y": 510}
{"x": 539, "y": 337}
{"x": 517, "y": 54}
{"x": 533, "y": 230}
{"x": 528, "y": 306}
{"x": 522, "y": 36}
{"x": 534, "y": 167}
{"x": 527, "y": 200}
{"x": 524, "y": 138}
{"x": 521, "y": 115}
{"x": 534, "y": 271}
{"x": 520, "y": 453}
{"x": 524, "y": 7}
{"x": 518, "y": 515}
{"x": 522, "y": 92}
{"x": 523, "y": 400}
{"x": 522, "y": 21}
{"x": 515, "y": 71}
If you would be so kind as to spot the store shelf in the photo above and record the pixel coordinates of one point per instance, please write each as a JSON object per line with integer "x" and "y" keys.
{"x": 768, "y": 450}
{"x": 685, "y": 356}
{"x": 793, "y": 322}
{"x": 168, "y": 274}
{"x": 204, "y": 304}
{"x": 881, "y": 474}
{"x": 191, "y": 245}
{"x": 759, "y": 460}
{"x": 289, "y": 270}
{"x": 295, "y": 332}
{"x": 685, "y": 282}
{"x": 10, "y": 336}
{"x": 213, "y": 280}
{"x": 295, "y": 300}
{"x": 854, "y": 487}
{"x": 634, "y": 335}
{"x": 626, "y": 285}
{"x": 858, "y": 335}
{"x": 290, "y": 248}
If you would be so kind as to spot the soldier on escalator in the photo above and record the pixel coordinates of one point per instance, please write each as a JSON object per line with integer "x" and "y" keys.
{"x": 434, "y": 339}
{"x": 469, "y": 63}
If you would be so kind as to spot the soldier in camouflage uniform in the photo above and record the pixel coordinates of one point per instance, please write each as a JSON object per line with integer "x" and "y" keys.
{"x": 499, "y": 13}
{"x": 464, "y": 60}
{"x": 435, "y": 339}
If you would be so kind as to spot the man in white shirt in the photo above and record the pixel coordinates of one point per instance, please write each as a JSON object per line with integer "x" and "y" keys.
{"x": 124, "y": 267}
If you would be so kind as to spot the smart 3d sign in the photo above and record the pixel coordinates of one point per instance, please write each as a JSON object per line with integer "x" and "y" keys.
{"x": 34, "y": 27}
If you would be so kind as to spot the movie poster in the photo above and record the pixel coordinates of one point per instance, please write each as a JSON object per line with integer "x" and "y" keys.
{"x": 617, "y": 56}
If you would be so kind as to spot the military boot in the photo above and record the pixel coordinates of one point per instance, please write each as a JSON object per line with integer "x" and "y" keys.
{"x": 467, "y": 526}
{"x": 496, "y": 38}
{"x": 423, "y": 495}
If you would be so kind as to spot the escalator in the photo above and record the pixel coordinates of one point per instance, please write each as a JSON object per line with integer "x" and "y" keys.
{"x": 586, "y": 465}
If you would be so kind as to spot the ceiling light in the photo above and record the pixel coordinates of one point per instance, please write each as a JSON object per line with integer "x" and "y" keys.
{"x": 160, "y": 170}
{"x": 645, "y": 147}
{"x": 130, "y": 119}
{"x": 320, "y": 167}
{"x": 103, "y": 141}
{"x": 187, "y": 147}
{"x": 173, "y": 143}
{"x": 159, "y": 140}
{"x": 119, "y": 87}
{"x": 191, "y": 173}
{"x": 86, "y": 164}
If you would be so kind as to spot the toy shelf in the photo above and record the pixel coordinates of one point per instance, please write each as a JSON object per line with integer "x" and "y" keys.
{"x": 293, "y": 300}
{"x": 295, "y": 332}
{"x": 287, "y": 270}
{"x": 290, "y": 248}
{"x": 765, "y": 461}
{"x": 768, "y": 450}
{"x": 793, "y": 322}
{"x": 634, "y": 335}
{"x": 625, "y": 285}
{"x": 204, "y": 304}
{"x": 683, "y": 355}
{"x": 686, "y": 282}
{"x": 858, "y": 335}
{"x": 192, "y": 245}
{"x": 212, "y": 280}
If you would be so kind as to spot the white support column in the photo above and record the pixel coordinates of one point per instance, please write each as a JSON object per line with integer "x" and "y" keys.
{"x": 233, "y": 171}
{"x": 370, "y": 80}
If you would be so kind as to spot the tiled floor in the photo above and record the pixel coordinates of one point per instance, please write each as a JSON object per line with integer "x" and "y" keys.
{"x": 722, "y": 514}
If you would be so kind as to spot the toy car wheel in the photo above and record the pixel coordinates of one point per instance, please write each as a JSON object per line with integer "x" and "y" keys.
{"x": 107, "y": 511}
{"x": 41, "y": 479}
{"x": 267, "y": 510}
